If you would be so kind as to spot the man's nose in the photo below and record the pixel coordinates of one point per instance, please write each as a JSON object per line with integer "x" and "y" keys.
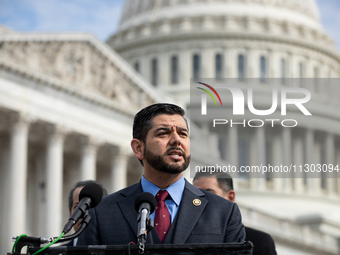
{"x": 175, "y": 139}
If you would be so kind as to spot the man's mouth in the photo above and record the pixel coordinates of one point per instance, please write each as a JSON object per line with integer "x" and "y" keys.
{"x": 175, "y": 154}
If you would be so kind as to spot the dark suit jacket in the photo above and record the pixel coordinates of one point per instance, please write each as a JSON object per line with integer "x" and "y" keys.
{"x": 215, "y": 220}
{"x": 70, "y": 243}
{"x": 263, "y": 242}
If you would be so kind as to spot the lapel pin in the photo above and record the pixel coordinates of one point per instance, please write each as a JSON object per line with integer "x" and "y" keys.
{"x": 196, "y": 202}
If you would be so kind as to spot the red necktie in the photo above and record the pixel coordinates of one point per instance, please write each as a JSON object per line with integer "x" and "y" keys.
{"x": 162, "y": 215}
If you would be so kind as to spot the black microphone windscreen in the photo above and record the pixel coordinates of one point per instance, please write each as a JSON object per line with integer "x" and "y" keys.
{"x": 94, "y": 191}
{"x": 146, "y": 197}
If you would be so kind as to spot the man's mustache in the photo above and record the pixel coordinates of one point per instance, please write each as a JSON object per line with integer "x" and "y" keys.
{"x": 175, "y": 149}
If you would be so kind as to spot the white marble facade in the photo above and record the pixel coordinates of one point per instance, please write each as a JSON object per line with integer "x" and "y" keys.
{"x": 66, "y": 109}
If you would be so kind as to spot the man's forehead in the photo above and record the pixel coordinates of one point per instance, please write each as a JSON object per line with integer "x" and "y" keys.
{"x": 167, "y": 120}
{"x": 76, "y": 193}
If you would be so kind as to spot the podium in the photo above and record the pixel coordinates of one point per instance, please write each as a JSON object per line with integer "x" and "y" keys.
{"x": 245, "y": 248}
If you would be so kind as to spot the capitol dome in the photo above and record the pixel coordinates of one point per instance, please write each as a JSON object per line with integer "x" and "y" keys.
{"x": 169, "y": 42}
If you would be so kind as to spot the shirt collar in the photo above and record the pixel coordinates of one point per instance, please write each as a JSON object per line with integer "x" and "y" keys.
{"x": 175, "y": 190}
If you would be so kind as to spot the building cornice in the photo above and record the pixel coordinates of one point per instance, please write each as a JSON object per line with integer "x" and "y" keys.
{"x": 228, "y": 36}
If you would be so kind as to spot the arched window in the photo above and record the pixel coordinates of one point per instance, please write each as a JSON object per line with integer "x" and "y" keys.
{"x": 196, "y": 66}
{"x": 263, "y": 69}
{"x": 283, "y": 71}
{"x": 218, "y": 66}
{"x": 240, "y": 67}
{"x": 154, "y": 72}
{"x": 136, "y": 67}
{"x": 174, "y": 70}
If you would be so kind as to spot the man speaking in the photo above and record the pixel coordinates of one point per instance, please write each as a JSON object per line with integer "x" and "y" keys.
{"x": 184, "y": 213}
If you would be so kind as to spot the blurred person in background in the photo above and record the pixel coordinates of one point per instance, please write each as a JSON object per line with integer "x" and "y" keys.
{"x": 221, "y": 184}
{"x": 73, "y": 201}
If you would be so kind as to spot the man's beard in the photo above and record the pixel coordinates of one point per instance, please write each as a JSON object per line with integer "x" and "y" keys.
{"x": 158, "y": 163}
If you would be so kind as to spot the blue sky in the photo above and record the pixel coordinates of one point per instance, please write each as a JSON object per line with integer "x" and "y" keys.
{"x": 101, "y": 17}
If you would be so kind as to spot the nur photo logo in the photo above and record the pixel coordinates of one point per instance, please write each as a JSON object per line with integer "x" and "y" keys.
{"x": 267, "y": 106}
{"x": 204, "y": 97}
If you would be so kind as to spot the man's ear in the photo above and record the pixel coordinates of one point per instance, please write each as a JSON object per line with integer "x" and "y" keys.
{"x": 138, "y": 148}
{"x": 231, "y": 195}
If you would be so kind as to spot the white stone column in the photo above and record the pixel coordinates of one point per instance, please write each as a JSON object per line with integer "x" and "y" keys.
{"x": 232, "y": 63}
{"x": 310, "y": 146}
{"x": 261, "y": 152}
{"x": 330, "y": 160}
{"x": 317, "y": 177}
{"x": 293, "y": 69}
{"x": 17, "y": 183}
{"x": 277, "y": 161}
{"x": 275, "y": 64}
{"x": 252, "y": 160}
{"x": 226, "y": 64}
{"x": 258, "y": 157}
{"x": 145, "y": 67}
{"x": 119, "y": 170}
{"x": 289, "y": 66}
{"x": 5, "y": 236}
{"x": 231, "y": 150}
{"x": 185, "y": 63}
{"x": 250, "y": 64}
{"x": 270, "y": 65}
{"x": 308, "y": 71}
{"x": 254, "y": 62}
{"x": 54, "y": 182}
{"x": 232, "y": 146}
{"x": 298, "y": 161}
{"x": 287, "y": 160}
{"x": 164, "y": 67}
{"x": 88, "y": 160}
{"x": 207, "y": 63}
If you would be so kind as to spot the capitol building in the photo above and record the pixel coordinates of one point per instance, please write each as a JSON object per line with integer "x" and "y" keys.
{"x": 67, "y": 103}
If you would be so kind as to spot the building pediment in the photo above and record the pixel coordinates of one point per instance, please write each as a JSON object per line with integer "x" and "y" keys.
{"x": 79, "y": 60}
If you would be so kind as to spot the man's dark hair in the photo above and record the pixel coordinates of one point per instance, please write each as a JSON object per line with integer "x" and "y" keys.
{"x": 143, "y": 119}
{"x": 82, "y": 184}
{"x": 224, "y": 180}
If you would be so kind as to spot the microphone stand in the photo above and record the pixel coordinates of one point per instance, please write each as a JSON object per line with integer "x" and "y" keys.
{"x": 146, "y": 225}
{"x": 29, "y": 241}
{"x": 34, "y": 242}
{"x": 85, "y": 222}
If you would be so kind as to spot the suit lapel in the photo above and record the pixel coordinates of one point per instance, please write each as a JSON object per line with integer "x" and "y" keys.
{"x": 126, "y": 205}
{"x": 188, "y": 213}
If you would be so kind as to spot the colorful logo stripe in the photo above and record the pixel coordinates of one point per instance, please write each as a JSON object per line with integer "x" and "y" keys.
{"x": 218, "y": 96}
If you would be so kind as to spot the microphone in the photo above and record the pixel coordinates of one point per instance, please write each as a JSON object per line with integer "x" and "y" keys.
{"x": 89, "y": 197}
{"x": 145, "y": 204}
